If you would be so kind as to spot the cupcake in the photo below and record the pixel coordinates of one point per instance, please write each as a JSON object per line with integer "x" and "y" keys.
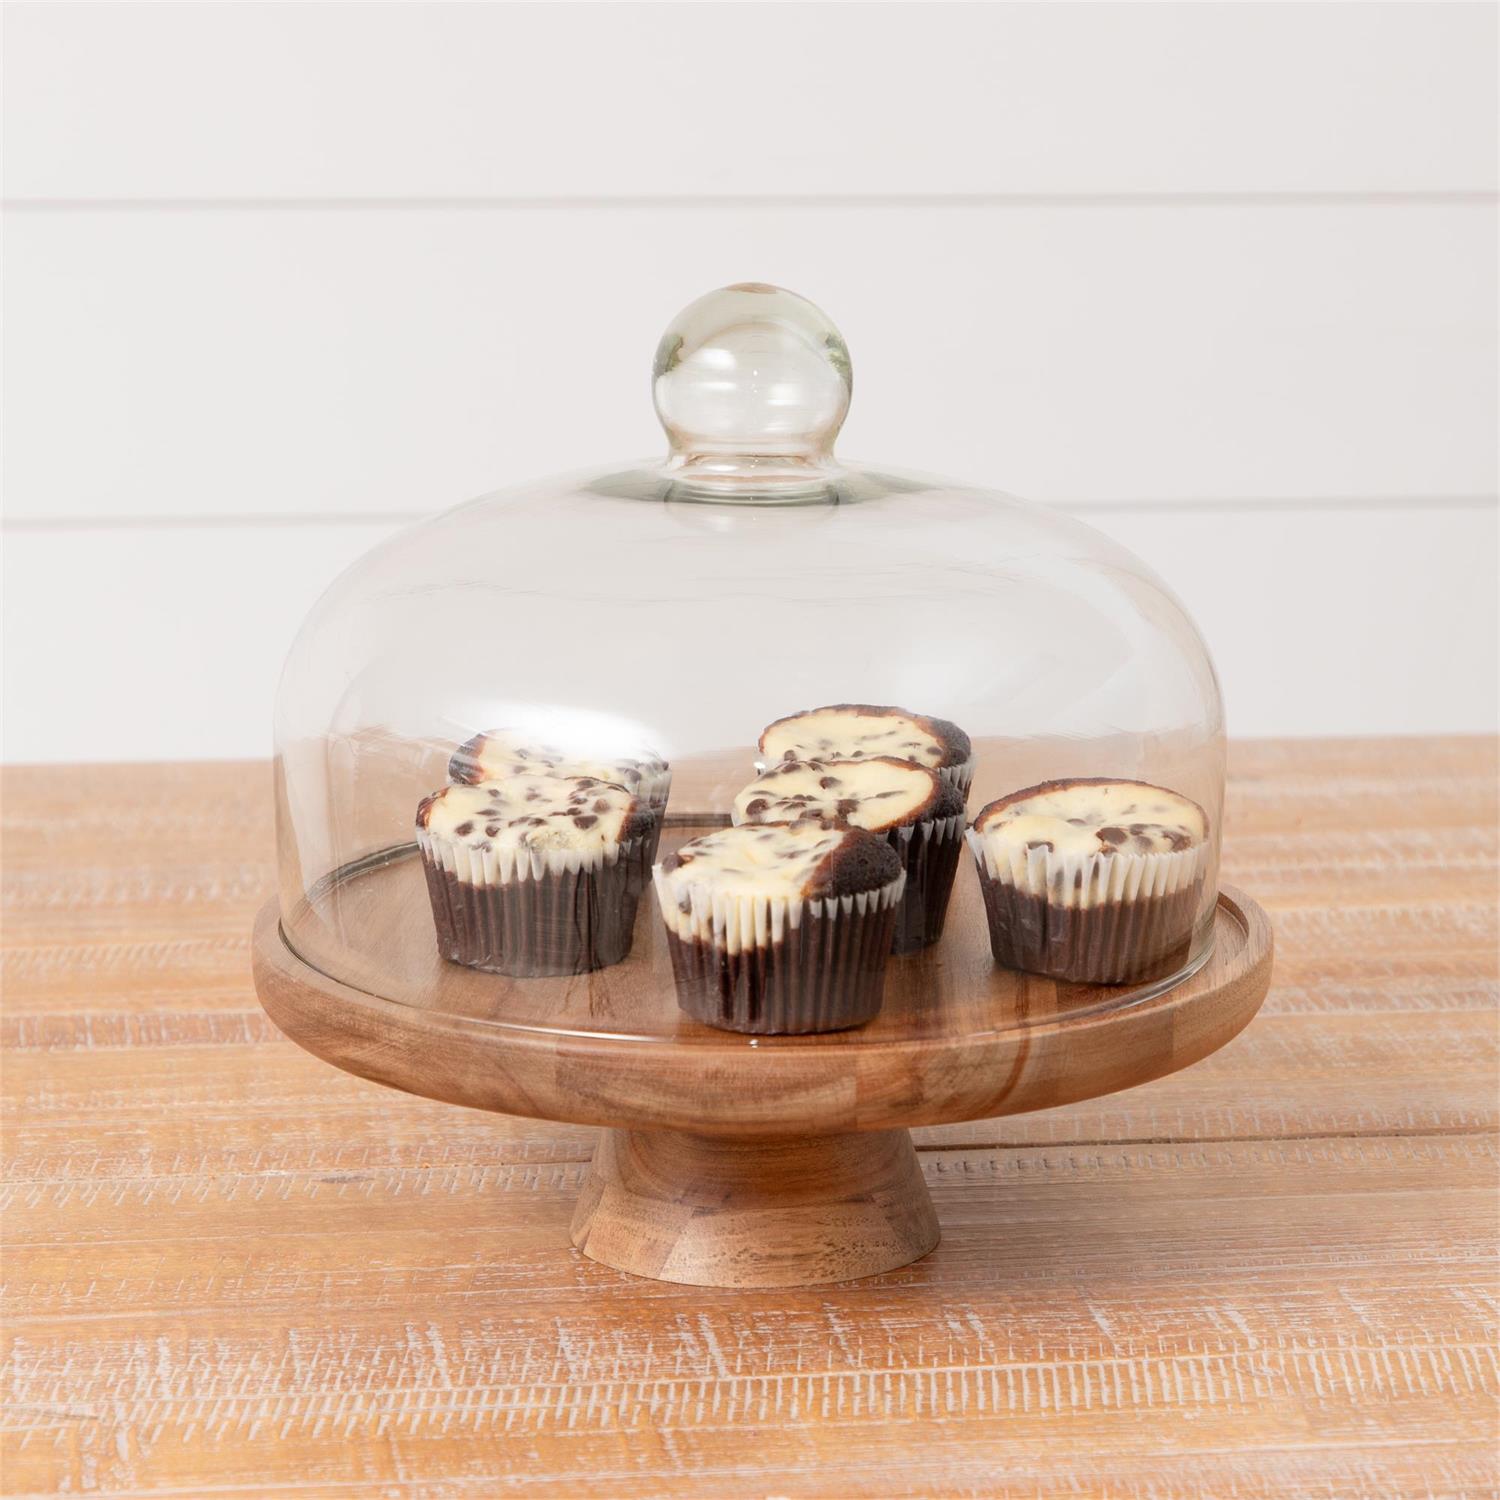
{"x": 913, "y": 808}
{"x": 501, "y": 753}
{"x": 781, "y": 927}
{"x": 855, "y": 731}
{"x": 535, "y": 874}
{"x": 1091, "y": 880}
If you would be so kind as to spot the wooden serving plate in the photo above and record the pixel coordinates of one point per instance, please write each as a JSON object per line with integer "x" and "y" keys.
{"x": 730, "y": 1160}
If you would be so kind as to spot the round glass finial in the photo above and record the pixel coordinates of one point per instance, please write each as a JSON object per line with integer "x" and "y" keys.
{"x": 752, "y": 385}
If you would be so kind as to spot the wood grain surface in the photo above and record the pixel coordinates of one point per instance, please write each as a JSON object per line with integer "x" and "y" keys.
{"x": 230, "y": 1269}
{"x": 711, "y": 1212}
{"x": 1003, "y": 1043}
{"x": 754, "y": 1161}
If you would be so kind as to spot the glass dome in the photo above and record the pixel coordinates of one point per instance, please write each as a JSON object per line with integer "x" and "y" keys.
{"x": 491, "y": 727}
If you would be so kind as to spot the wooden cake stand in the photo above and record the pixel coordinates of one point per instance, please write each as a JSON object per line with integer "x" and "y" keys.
{"x": 728, "y": 1160}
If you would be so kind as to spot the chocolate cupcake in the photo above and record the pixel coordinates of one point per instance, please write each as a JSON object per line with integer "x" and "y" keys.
{"x": 536, "y": 874}
{"x": 781, "y": 927}
{"x": 1092, "y": 880}
{"x": 855, "y": 731}
{"x": 501, "y": 753}
{"x": 913, "y": 808}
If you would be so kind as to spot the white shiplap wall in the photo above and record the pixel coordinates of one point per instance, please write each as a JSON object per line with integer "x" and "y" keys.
{"x": 281, "y": 276}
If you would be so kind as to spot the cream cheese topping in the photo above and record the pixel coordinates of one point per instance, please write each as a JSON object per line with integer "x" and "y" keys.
{"x": 1105, "y": 817}
{"x": 503, "y": 753}
{"x": 501, "y": 746}
{"x": 531, "y": 812}
{"x": 845, "y": 733}
{"x": 777, "y": 861}
{"x": 743, "y": 887}
{"x": 877, "y": 793}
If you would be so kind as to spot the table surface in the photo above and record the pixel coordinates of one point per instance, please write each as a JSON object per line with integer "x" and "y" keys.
{"x": 231, "y": 1269}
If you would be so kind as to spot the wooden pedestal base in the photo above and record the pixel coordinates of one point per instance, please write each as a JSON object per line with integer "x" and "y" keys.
{"x": 765, "y": 1212}
{"x": 729, "y": 1160}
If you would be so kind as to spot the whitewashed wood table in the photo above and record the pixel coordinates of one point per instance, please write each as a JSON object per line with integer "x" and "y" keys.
{"x": 231, "y": 1269}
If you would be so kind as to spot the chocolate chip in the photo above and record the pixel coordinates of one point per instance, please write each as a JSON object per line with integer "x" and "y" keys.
{"x": 828, "y": 781}
{"x": 491, "y": 829}
{"x": 1112, "y": 835}
{"x": 602, "y": 805}
{"x": 1079, "y": 822}
{"x": 463, "y": 830}
{"x": 847, "y": 805}
{"x": 586, "y": 820}
{"x": 1040, "y": 844}
{"x": 755, "y": 807}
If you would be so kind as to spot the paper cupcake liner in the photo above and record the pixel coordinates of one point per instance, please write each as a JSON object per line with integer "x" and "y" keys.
{"x": 654, "y": 789}
{"x": 753, "y": 964}
{"x": 962, "y": 776}
{"x": 1094, "y": 919}
{"x": 533, "y": 913}
{"x": 929, "y": 854}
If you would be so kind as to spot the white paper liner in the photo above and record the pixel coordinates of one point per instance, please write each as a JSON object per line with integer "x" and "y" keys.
{"x": 1082, "y": 881}
{"x": 931, "y": 830}
{"x": 737, "y": 922}
{"x": 962, "y": 775}
{"x": 655, "y": 787}
{"x": 505, "y": 866}
{"x": 929, "y": 854}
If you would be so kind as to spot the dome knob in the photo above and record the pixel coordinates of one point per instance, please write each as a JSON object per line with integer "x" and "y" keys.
{"x": 752, "y": 385}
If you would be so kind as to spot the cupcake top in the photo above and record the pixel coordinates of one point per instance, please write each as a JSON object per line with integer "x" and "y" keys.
{"x": 877, "y": 793}
{"x": 787, "y": 861}
{"x": 535, "y": 812}
{"x": 501, "y": 753}
{"x": 855, "y": 731}
{"x": 1094, "y": 815}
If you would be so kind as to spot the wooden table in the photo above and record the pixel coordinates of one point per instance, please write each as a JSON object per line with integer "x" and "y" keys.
{"x": 231, "y": 1269}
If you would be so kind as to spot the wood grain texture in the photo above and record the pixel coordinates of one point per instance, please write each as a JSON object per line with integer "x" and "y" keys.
{"x": 797, "y": 1212}
{"x": 956, "y": 1037}
{"x": 733, "y": 1160}
{"x": 231, "y": 1269}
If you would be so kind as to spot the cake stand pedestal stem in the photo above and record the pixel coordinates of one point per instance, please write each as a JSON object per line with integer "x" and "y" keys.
{"x": 715, "y": 1211}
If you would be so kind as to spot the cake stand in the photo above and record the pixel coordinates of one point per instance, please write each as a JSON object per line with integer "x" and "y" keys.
{"x": 728, "y": 1160}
